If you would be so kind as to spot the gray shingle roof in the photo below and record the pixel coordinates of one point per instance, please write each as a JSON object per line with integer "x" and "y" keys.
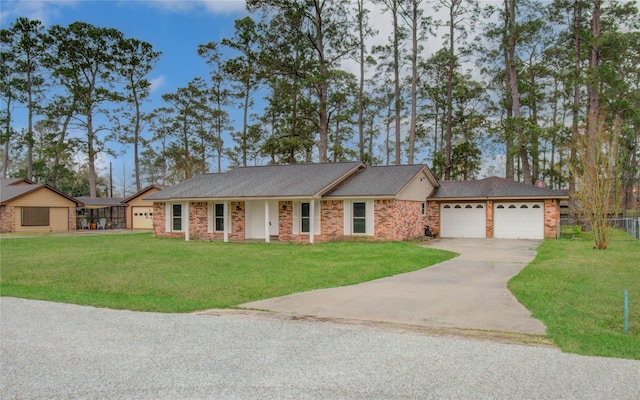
{"x": 295, "y": 180}
{"x": 12, "y": 181}
{"x": 493, "y": 187}
{"x": 378, "y": 181}
{"x": 10, "y": 190}
{"x": 102, "y": 201}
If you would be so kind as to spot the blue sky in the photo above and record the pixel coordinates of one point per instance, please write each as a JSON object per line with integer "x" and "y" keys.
{"x": 175, "y": 28}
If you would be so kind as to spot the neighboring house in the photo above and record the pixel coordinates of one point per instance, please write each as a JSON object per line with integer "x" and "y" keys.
{"x": 132, "y": 212}
{"x": 29, "y": 207}
{"x": 349, "y": 201}
{"x": 300, "y": 203}
{"x": 139, "y": 210}
{"x": 495, "y": 208}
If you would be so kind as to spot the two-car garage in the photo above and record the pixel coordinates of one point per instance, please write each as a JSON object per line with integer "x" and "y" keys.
{"x": 510, "y": 219}
{"x": 496, "y": 207}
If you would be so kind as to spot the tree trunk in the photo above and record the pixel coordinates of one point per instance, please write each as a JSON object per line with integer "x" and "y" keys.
{"x": 448, "y": 139}
{"x": 91, "y": 155}
{"x": 515, "y": 95}
{"x": 414, "y": 81}
{"x": 575, "y": 109}
{"x": 508, "y": 140}
{"x": 593, "y": 114}
{"x": 136, "y": 140}
{"x": 323, "y": 90}
{"x": 361, "y": 83}
{"x": 396, "y": 77}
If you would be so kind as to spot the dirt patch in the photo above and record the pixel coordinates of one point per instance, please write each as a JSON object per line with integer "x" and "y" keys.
{"x": 474, "y": 334}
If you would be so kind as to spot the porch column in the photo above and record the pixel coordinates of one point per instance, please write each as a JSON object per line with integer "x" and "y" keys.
{"x": 267, "y": 237}
{"x": 312, "y": 218}
{"x": 227, "y": 226}
{"x": 186, "y": 218}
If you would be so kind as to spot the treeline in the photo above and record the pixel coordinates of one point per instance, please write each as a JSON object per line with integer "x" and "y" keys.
{"x": 524, "y": 81}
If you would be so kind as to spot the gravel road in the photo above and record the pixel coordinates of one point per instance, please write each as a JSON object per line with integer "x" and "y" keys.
{"x": 60, "y": 351}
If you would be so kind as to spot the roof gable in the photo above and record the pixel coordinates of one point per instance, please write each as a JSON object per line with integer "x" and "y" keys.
{"x": 493, "y": 187}
{"x": 378, "y": 181}
{"x": 141, "y": 192}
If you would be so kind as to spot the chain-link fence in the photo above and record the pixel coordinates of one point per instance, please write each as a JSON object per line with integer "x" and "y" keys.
{"x": 571, "y": 228}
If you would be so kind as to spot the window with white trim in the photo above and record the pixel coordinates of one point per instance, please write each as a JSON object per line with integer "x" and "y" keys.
{"x": 359, "y": 218}
{"x": 176, "y": 217}
{"x": 219, "y": 217}
{"x": 305, "y": 218}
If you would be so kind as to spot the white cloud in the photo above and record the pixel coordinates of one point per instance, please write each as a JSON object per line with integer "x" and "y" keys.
{"x": 43, "y": 10}
{"x": 157, "y": 83}
{"x": 211, "y": 6}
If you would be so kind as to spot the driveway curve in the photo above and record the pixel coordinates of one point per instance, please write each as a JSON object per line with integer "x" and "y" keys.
{"x": 468, "y": 291}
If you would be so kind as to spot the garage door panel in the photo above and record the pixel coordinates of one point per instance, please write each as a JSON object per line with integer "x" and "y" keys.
{"x": 519, "y": 220}
{"x": 142, "y": 217}
{"x": 465, "y": 220}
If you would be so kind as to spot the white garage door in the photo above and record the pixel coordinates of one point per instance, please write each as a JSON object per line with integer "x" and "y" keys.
{"x": 517, "y": 220}
{"x": 142, "y": 217}
{"x": 463, "y": 220}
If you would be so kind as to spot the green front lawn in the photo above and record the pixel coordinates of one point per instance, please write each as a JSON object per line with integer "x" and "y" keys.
{"x": 578, "y": 293}
{"x": 140, "y": 272}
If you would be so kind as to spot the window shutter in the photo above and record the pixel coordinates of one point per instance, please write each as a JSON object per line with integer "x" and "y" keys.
{"x": 167, "y": 217}
{"x": 370, "y": 218}
{"x": 347, "y": 218}
{"x": 296, "y": 218}
{"x": 210, "y": 216}
{"x": 316, "y": 217}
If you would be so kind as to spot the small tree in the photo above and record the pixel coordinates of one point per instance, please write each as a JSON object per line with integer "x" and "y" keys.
{"x": 596, "y": 177}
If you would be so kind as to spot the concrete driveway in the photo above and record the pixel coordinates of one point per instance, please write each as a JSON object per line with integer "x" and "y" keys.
{"x": 468, "y": 291}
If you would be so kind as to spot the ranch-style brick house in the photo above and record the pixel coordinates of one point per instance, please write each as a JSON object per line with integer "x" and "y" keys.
{"x": 310, "y": 203}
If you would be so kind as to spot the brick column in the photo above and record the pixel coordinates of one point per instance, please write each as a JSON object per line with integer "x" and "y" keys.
{"x": 489, "y": 219}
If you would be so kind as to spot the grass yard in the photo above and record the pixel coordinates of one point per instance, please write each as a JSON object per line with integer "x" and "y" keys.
{"x": 141, "y": 272}
{"x": 578, "y": 293}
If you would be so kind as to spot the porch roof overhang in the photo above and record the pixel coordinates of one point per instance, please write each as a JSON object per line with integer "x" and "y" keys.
{"x": 101, "y": 202}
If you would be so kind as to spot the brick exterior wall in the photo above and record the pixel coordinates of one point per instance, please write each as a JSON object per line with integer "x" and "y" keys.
{"x": 489, "y": 208}
{"x": 395, "y": 220}
{"x": 237, "y": 209}
{"x": 7, "y": 219}
{"x": 332, "y": 216}
{"x": 551, "y": 218}
{"x": 433, "y": 216}
{"x": 408, "y": 220}
{"x": 72, "y": 219}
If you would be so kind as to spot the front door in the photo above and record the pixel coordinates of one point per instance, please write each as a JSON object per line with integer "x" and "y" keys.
{"x": 256, "y": 220}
